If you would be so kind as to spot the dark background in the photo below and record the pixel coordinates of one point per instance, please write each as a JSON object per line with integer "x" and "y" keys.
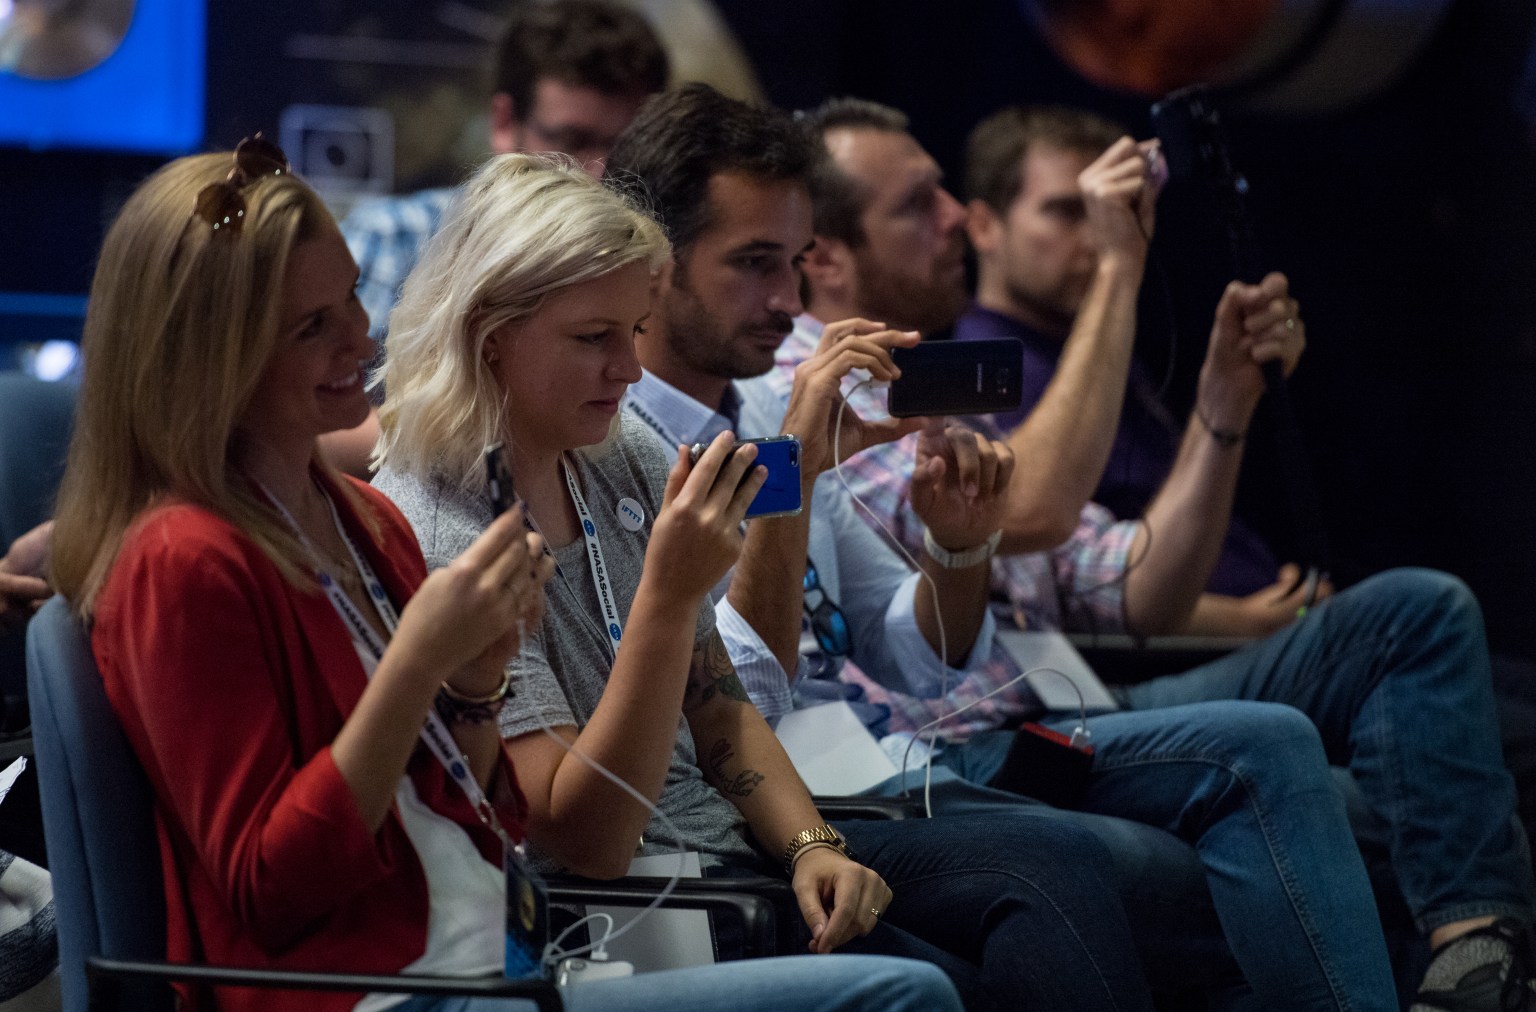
{"x": 1407, "y": 223}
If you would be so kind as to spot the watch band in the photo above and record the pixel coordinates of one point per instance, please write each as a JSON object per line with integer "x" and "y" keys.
{"x": 819, "y": 834}
{"x": 961, "y": 560}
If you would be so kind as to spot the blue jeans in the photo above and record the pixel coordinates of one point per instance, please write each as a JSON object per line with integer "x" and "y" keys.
{"x": 1394, "y": 673}
{"x": 815, "y": 984}
{"x": 1248, "y": 786}
{"x": 1158, "y": 877}
{"x": 1013, "y": 907}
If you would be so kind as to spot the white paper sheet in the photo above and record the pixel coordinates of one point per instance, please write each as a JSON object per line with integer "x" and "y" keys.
{"x": 832, "y": 750}
{"x": 666, "y": 939}
{"x": 1031, "y": 650}
{"x": 9, "y": 774}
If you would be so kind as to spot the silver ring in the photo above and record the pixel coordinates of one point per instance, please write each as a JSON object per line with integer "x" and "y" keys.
{"x": 874, "y": 911}
{"x": 1290, "y": 323}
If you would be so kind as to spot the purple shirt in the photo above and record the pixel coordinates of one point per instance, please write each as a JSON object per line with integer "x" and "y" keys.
{"x": 1143, "y": 452}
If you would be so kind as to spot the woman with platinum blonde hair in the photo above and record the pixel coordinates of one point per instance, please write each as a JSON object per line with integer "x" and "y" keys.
{"x": 314, "y": 712}
{"x": 527, "y": 227}
{"x": 519, "y": 327}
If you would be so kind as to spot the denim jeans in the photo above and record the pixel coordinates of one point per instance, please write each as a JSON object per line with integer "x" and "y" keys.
{"x": 1247, "y": 785}
{"x": 1394, "y": 673}
{"x": 814, "y": 984}
{"x": 1014, "y": 907}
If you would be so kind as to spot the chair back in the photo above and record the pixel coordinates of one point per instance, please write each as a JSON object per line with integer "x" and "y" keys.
{"x": 36, "y": 419}
{"x": 98, "y": 816}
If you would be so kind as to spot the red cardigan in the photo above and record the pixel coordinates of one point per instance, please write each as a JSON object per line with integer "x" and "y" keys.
{"x": 231, "y": 684}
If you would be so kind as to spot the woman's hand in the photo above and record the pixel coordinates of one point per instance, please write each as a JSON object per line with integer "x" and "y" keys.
{"x": 697, "y": 534}
{"x": 839, "y": 899}
{"x": 484, "y": 673}
{"x": 465, "y": 617}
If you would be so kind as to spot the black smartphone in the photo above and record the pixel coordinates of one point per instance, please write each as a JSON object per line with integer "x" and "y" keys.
{"x": 498, "y": 480}
{"x": 780, "y": 494}
{"x": 957, "y": 378}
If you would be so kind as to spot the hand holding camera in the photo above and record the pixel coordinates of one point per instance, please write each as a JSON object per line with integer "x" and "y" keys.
{"x": 1120, "y": 190}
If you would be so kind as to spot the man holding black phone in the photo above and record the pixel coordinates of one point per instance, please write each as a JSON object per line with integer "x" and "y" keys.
{"x": 733, "y": 193}
{"x": 1037, "y": 254}
{"x": 1393, "y": 672}
{"x": 726, "y": 180}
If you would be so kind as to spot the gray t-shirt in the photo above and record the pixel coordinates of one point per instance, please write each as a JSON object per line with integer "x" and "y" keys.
{"x": 563, "y": 668}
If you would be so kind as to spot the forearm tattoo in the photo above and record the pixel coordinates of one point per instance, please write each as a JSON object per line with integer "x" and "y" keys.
{"x": 711, "y": 672}
{"x": 740, "y": 785}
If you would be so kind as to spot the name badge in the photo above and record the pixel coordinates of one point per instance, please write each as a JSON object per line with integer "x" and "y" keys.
{"x": 527, "y": 917}
{"x": 631, "y": 515}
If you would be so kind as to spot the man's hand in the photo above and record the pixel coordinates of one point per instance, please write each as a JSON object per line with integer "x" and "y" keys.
{"x": 960, "y": 484}
{"x": 1254, "y": 324}
{"x": 1258, "y": 614}
{"x": 838, "y": 898}
{"x": 23, "y": 588}
{"x": 1120, "y": 193}
{"x": 815, "y": 399}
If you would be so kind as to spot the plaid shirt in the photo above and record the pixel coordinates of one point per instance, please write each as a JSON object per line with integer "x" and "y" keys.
{"x": 387, "y": 236}
{"x": 1076, "y": 586}
{"x": 1078, "y": 582}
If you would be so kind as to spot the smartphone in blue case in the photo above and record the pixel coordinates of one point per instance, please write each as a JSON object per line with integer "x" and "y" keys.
{"x": 780, "y": 494}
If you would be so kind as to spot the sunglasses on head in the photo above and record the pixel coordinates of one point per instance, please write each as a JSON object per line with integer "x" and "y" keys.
{"x": 221, "y": 204}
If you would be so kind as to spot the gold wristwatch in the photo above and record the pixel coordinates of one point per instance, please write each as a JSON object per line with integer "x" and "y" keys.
{"x": 820, "y": 834}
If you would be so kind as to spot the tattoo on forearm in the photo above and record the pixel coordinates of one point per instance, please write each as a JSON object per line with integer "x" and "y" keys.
{"x": 740, "y": 785}
{"x": 711, "y": 672}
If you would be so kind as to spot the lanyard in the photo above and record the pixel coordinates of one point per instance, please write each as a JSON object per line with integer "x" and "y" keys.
{"x": 605, "y": 599}
{"x": 433, "y": 731}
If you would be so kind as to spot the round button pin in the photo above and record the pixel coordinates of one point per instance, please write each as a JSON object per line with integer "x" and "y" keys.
{"x": 631, "y": 516}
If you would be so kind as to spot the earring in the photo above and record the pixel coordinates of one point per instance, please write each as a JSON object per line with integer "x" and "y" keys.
{"x": 491, "y": 358}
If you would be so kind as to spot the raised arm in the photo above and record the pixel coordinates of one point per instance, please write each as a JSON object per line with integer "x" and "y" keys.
{"x": 1063, "y": 445}
{"x": 459, "y": 629}
{"x": 207, "y": 668}
{"x": 960, "y": 485}
{"x": 766, "y": 588}
{"x": 1188, "y": 519}
{"x": 576, "y": 815}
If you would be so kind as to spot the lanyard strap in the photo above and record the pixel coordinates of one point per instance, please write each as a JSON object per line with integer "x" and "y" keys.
{"x": 615, "y": 628}
{"x": 433, "y": 731}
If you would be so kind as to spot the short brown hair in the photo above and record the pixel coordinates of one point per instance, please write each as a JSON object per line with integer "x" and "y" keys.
{"x": 582, "y": 43}
{"x": 683, "y": 138}
{"x": 994, "y": 153}
{"x": 837, "y": 200}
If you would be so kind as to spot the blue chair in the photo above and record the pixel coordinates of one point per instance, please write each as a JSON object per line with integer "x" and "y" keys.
{"x": 104, "y": 854}
{"x": 102, "y": 848}
{"x": 36, "y": 419}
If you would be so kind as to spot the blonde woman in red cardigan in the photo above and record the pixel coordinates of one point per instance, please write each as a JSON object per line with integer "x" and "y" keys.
{"x": 316, "y": 714}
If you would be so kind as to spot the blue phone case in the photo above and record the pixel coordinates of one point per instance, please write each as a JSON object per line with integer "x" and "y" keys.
{"x": 780, "y": 494}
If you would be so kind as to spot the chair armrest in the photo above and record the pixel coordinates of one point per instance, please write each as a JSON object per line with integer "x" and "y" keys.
{"x": 833, "y": 808}
{"x": 757, "y": 902}
{"x": 104, "y": 975}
